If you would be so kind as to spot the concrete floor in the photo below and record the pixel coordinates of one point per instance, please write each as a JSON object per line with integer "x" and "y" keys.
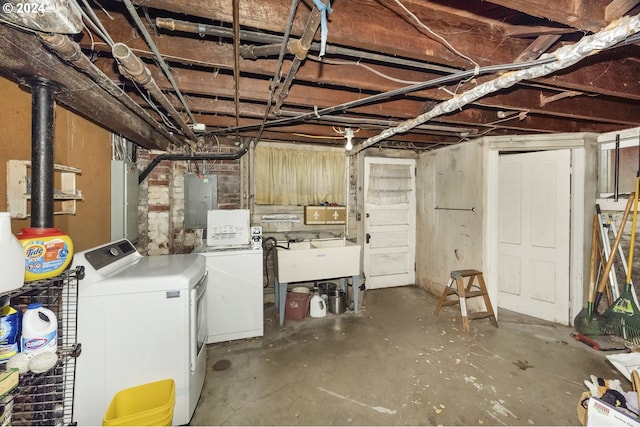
{"x": 395, "y": 363}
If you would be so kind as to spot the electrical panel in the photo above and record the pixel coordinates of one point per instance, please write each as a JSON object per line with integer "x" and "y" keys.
{"x": 200, "y": 196}
{"x": 124, "y": 200}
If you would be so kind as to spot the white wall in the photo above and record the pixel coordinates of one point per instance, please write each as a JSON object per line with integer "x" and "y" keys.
{"x": 450, "y": 177}
{"x": 461, "y": 176}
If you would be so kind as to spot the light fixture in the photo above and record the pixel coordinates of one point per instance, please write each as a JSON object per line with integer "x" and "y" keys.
{"x": 348, "y": 134}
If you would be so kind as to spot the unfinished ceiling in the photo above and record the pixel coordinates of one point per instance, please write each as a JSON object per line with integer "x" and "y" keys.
{"x": 259, "y": 69}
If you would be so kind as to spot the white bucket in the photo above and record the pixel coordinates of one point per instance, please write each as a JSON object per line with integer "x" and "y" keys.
{"x": 39, "y": 330}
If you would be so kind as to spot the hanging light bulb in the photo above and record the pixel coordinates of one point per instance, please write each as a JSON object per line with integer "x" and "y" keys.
{"x": 348, "y": 134}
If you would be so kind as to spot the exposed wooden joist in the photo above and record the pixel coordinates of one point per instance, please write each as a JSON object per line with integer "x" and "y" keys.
{"x": 583, "y": 14}
{"x": 22, "y": 56}
{"x": 618, "y": 8}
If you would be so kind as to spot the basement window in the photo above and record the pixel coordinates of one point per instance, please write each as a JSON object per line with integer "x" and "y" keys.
{"x": 299, "y": 175}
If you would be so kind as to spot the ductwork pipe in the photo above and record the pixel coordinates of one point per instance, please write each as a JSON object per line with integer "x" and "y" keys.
{"x": 42, "y": 116}
{"x": 69, "y": 51}
{"x": 192, "y": 157}
{"x": 134, "y": 69}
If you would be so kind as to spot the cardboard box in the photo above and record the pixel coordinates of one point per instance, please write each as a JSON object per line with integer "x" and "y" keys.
{"x": 6, "y": 408}
{"x": 8, "y": 380}
{"x": 336, "y": 215}
{"x": 600, "y": 413}
{"x": 315, "y": 214}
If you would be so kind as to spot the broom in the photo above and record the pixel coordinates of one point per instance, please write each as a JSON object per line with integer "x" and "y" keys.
{"x": 585, "y": 323}
{"x": 622, "y": 318}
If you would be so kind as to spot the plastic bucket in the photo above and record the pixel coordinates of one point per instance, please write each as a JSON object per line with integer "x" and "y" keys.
{"x": 296, "y": 306}
{"x": 144, "y": 405}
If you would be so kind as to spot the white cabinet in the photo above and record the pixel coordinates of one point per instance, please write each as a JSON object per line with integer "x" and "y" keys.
{"x": 234, "y": 294}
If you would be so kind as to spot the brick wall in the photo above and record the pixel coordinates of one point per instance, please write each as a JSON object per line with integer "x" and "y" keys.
{"x": 161, "y": 200}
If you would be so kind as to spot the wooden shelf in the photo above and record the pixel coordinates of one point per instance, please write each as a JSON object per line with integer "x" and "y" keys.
{"x": 19, "y": 188}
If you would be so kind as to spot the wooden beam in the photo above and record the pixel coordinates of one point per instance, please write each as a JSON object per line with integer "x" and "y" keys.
{"x": 583, "y": 14}
{"x": 23, "y": 56}
{"x": 383, "y": 27}
{"x": 539, "y": 46}
{"x": 618, "y": 8}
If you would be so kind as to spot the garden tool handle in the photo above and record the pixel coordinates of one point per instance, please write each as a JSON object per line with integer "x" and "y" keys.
{"x": 607, "y": 267}
{"x": 633, "y": 228}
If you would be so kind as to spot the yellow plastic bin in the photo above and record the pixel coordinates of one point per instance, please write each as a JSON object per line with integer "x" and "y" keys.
{"x": 144, "y": 405}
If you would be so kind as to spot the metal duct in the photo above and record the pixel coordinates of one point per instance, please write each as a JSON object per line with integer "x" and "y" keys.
{"x": 42, "y": 116}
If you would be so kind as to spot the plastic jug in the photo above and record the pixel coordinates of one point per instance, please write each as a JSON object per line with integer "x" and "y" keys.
{"x": 39, "y": 330}
{"x": 317, "y": 307}
{"x": 11, "y": 256}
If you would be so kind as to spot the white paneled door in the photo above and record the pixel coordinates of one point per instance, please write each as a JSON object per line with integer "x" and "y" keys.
{"x": 533, "y": 232}
{"x": 389, "y": 222}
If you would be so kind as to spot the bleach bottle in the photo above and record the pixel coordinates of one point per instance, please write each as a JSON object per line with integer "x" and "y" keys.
{"x": 39, "y": 330}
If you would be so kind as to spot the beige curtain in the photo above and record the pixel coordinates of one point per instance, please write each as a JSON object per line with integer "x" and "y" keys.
{"x": 289, "y": 176}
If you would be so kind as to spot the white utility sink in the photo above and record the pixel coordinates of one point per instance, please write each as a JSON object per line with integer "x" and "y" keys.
{"x": 318, "y": 259}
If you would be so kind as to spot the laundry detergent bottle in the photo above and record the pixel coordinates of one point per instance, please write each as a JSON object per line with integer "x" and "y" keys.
{"x": 10, "y": 325}
{"x": 317, "y": 306}
{"x": 39, "y": 330}
{"x": 47, "y": 252}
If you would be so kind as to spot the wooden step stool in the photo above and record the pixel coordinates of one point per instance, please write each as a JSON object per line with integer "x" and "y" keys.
{"x": 463, "y": 293}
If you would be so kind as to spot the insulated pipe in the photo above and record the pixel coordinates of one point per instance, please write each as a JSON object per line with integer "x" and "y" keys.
{"x": 133, "y": 68}
{"x": 202, "y": 156}
{"x": 617, "y": 32}
{"x": 70, "y": 51}
{"x": 42, "y": 115}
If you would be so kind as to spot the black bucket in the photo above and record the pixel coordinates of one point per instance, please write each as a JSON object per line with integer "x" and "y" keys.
{"x": 326, "y": 288}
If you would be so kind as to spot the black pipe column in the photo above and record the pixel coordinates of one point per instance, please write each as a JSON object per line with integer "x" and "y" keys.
{"x": 42, "y": 174}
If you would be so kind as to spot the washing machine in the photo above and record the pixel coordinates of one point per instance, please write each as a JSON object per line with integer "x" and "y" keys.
{"x": 235, "y": 286}
{"x": 140, "y": 319}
